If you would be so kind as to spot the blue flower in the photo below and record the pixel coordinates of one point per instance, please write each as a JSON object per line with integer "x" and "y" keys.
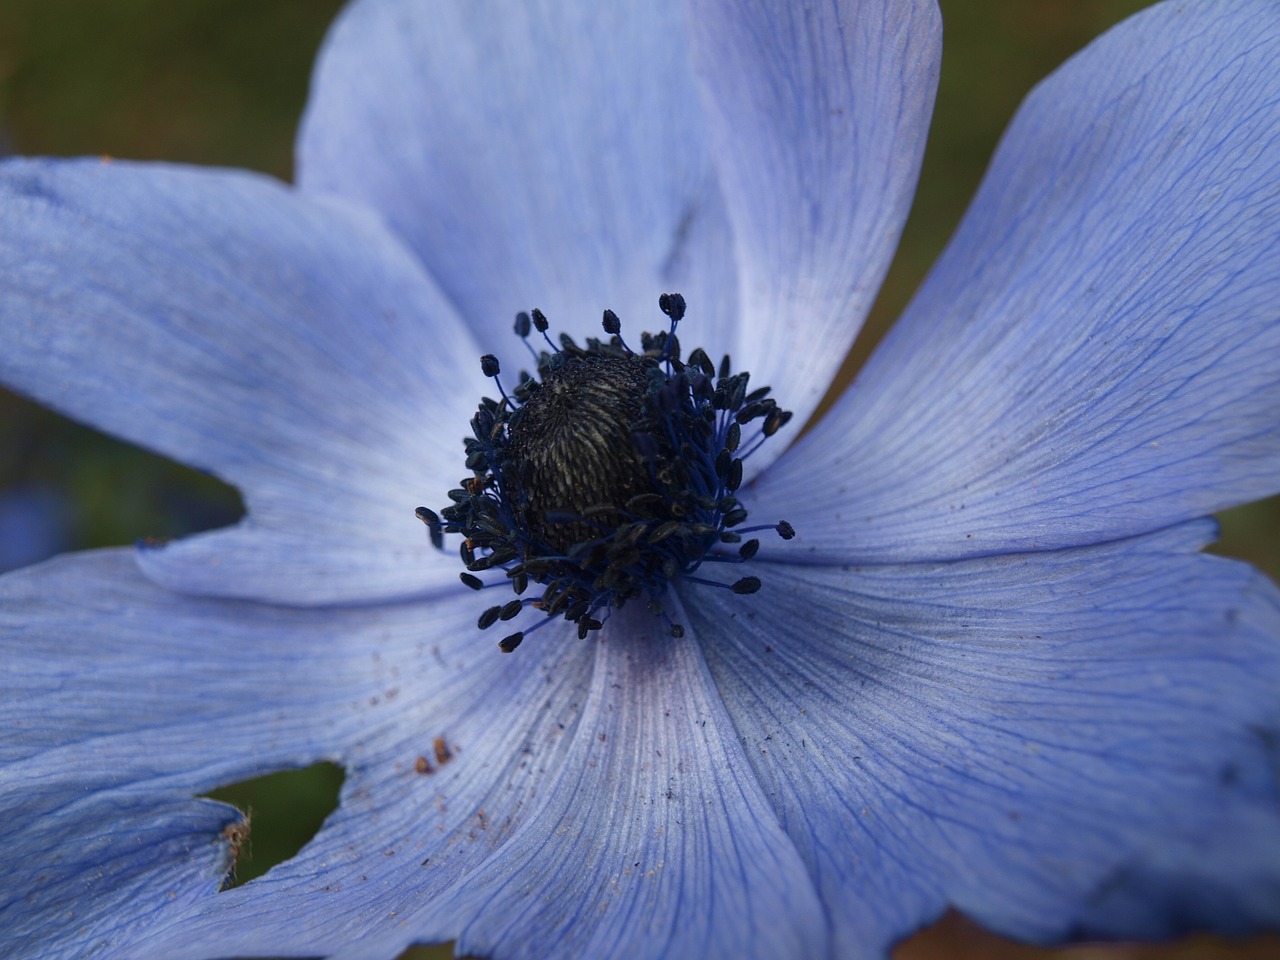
{"x": 992, "y": 671}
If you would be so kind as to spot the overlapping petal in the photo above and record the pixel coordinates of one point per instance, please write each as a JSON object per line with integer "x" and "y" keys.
{"x": 559, "y": 155}
{"x": 818, "y": 114}
{"x": 290, "y": 346}
{"x": 1096, "y": 353}
{"x": 1065, "y": 743}
{"x": 548, "y": 154}
{"x": 124, "y": 701}
{"x": 655, "y": 841}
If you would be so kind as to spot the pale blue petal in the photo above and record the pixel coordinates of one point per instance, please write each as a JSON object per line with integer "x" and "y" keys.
{"x": 818, "y": 114}
{"x": 292, "y": 347}
{"x": 121, "y": 702}
{"x": 559, "y": 155}
{"x": 606, "y": 813}
{"x": 1096, "y": 354}
{"x": 1059, "y": 744}
{"x": 596, "y": 774}
{"x": 656, "y": 841}
{"x": 548, "y": 154}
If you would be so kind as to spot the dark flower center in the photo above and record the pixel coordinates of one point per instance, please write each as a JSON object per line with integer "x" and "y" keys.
{"x": 573, "y": 440}
{"x": 607, "y": 476}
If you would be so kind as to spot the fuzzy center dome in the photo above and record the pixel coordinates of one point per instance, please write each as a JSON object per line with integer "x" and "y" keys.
{"x": 574, "y": 435}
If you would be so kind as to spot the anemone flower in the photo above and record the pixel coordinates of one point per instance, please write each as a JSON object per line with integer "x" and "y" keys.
{"x": 992, "y": 670}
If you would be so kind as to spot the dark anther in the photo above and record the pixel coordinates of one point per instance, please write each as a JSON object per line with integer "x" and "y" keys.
{"x": 723, "y": 459}
{"x": 433, "y": 526}
{"x": 734, "y": 478}
{"x": 606, "y": 476}
{"x": 785, "y": 530}
{"x": 672, "y": 304}
{"x": 733, "y": 437}
{"x": 698, "y": 358}
{"x": 664, "y": 530}
{"x": 775, "y": 421}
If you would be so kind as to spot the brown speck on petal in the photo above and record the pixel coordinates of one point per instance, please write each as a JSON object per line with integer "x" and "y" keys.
{"x": 443, "y": 753}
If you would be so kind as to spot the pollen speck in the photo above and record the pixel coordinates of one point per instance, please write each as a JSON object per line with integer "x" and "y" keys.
{"x": 443, "y": 753}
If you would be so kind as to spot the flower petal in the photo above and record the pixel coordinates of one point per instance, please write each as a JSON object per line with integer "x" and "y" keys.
{"x": 121, "y": 701}
{"x": 668, "y": 846}
{"x": 632, "y": 831}
{"x": 597, "y": 772}
{"x": 818, "y": 115}
{"x": 1095, "y": 354}
{"x": 549, "y": 154}
{"x": 290, "y": 346}
{"x": 1060, "y": 744}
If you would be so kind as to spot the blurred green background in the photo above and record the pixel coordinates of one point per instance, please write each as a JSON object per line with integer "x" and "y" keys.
{"x": 223, "y": 82}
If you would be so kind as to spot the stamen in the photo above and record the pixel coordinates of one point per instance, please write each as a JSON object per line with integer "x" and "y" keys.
{"x": 606, "y": 476}
{"x": 490, "y": 368}
{"x": 433, "y": 526}
{"x": 613, "y": 326}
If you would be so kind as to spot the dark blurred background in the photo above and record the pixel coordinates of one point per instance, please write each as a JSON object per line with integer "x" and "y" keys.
{"x": 223, "y": 82}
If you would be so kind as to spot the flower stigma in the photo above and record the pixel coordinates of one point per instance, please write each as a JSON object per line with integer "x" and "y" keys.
{"x": 608, "y": 475}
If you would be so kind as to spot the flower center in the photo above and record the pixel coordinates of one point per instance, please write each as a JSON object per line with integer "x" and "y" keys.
{"x": 573, "y": 441}
{"x": 607, "y": 476}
